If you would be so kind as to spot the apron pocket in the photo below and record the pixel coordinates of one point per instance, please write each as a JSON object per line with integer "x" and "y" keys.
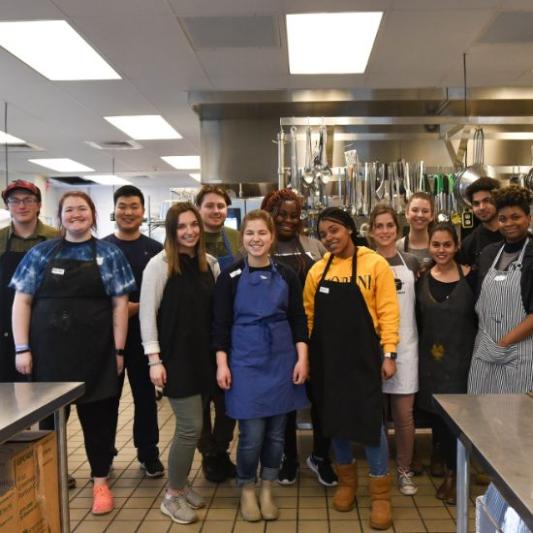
{"x": 491, "y": 352}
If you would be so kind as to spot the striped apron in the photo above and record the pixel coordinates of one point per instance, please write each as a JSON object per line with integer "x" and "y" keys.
{"x": 497, "y": 370}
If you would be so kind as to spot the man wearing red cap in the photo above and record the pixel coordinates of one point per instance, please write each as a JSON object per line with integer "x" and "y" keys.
{"x": 23, "y": 200}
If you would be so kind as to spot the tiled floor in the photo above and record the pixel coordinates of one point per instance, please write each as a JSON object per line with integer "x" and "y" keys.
{"x": 305, "y": 506}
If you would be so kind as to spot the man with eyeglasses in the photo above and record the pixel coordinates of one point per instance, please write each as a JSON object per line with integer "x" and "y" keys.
{"x": 23, "y": 200}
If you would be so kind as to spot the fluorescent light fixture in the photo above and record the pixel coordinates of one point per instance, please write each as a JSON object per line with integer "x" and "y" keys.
{"x": 108, "y": 179}
{"x": 54, "y": 49}
{"x": 5, "y": 138}
{"x": 144, "y": 127}
{"x": 331, "y": 43}
{"x": 196, "y": 176}
{"x": 61, "y": 165}
{"x": 183, "y": 162}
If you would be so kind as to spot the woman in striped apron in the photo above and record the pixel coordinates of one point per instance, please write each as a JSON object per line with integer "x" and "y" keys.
{"x": 503, "y": 355}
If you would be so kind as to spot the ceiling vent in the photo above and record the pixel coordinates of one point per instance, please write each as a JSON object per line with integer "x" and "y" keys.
{"x": 231, "y": 32}
{"x": 509, "y": 27}
{"x": 115, "y": 145}
{"x": 72, "y": 180}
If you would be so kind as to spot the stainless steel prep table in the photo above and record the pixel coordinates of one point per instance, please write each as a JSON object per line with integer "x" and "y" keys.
{"x": 498, "y": 429}
{"x": 24, "y": 404}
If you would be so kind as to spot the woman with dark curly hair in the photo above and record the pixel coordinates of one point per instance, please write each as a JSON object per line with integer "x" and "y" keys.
{"x": 503, "y": 356}
{"x": 299, "y": 252}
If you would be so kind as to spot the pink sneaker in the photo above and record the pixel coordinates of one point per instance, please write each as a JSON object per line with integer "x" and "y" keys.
{"x": 102, "y": 500}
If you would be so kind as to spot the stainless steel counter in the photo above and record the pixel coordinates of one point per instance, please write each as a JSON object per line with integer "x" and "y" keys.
{"x": 24, "y": 404}
{"x": 498, "y": 430}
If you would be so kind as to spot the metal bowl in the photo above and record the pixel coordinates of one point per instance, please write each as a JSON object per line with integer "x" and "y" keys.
{"x": 464, "y": 178}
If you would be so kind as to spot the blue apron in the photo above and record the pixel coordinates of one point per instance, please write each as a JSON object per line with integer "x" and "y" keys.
{"x": 228, "y": 259}
{"x": 263, "y": 352}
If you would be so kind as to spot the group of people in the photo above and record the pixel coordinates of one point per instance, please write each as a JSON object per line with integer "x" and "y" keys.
{"x": 264, "y": 323}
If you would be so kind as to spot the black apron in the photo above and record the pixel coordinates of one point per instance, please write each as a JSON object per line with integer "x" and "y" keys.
{"x": 346, "y": 362}
{"x": 446, "y": 343}
{"x": 184, "y": 328}
{"x": 71, "y": 329}
{"x": 8, "y": 264}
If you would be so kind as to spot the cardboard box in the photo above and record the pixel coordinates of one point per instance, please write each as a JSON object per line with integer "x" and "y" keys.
{"x": 29, "y": 469}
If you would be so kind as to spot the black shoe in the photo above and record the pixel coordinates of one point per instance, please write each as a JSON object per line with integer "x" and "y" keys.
{"x": 215, "y": 468}
{"x": 71, "y": 482}
{"x": 153, "y": 468}
{"x": 323, "y": 470}
{"x": 231, "y": 470}
{"x": 288, "y": 472}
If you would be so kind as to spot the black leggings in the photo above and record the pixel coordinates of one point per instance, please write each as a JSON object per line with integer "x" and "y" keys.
{"x": 446, "y": 440}
{"x": 97, "y": 421}
{"x": 321, "y": 444}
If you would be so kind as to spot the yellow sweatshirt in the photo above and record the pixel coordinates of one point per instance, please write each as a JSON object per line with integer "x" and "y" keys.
{"x": 376, "y": 282}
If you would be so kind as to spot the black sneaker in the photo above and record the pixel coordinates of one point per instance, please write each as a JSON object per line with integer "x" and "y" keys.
{"x": 71, "y": 482}
{"x": 153, "y": 468}
{"x": 215, "y": 468}
{"x": 288, "y": 472}
{"x": 323, "y": 470}
{"x": 227, "y": 465}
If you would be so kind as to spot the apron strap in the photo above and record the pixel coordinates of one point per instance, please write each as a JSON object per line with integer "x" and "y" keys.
{"x": 354, "y": 268}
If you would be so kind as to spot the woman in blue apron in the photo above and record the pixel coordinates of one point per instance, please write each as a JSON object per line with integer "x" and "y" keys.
{"x": 70, "y": 319}
{"x": 400, "y": 390}
{"x": 352, "y": 309}
{"x": 503, "y": 355}
{"x": 299, "y": 252}
{"x": 260, "y": 335}
{"x": 447, "y": 329}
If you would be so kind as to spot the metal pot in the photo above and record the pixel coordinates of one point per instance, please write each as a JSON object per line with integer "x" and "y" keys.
{"x": 464, "y": 178}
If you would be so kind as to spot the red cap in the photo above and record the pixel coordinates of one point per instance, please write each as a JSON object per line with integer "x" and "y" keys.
{"x": 21, "y": 185}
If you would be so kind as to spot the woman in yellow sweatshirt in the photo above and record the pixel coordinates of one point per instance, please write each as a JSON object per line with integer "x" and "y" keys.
{"x": 353, "y": 317}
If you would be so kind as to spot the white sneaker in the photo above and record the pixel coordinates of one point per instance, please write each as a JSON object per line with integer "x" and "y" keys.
{"x": 177, "y": 508}
{"x": 406, "y": 483}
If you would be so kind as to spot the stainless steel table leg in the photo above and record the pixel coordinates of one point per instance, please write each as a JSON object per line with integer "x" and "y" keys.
{"x": 61, "y": 431}
{"x": 463, "y": 482}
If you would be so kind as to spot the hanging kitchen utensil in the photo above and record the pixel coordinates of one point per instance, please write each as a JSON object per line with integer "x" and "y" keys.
{"x": 528, "y": 180}
{"x": 379, "y": 182}
{"x": 353, "y": 192}
{"x": 421, "y": 185}
{"x": 325, "y": 171}
{"x": 464, "y": 178}
{"x": 308, "y": 175}
{"x": 294, "y": 159}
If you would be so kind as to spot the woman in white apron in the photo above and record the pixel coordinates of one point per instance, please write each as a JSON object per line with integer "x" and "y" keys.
{"x": 503, "y": 355}
{"x": 401, "y": 388}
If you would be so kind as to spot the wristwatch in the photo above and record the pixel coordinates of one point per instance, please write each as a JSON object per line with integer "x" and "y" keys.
{"x": 119, "y": 351}
{"x": 390, "y": 355}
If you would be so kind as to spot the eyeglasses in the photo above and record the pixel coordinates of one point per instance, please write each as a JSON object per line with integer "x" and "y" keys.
{"x": 22, "y": 201}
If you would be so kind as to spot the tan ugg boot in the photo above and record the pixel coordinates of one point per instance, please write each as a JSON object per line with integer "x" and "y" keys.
{"x": 249, "y": 508}
{"x": 381, "y": 511}
{"x": 344, "y": 497}
{"x": 269, "y": 510}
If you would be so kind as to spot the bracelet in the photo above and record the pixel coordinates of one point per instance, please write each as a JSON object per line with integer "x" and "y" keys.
{"x": 23, "y": 347}
{"x": 155, "y": 363}
{"x": 23, "y": 350}
{"x": 119, "y": 351}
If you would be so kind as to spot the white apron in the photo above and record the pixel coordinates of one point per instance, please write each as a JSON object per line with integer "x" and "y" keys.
{"x": 405, "y": 381}
{"x": 497, "y": 370}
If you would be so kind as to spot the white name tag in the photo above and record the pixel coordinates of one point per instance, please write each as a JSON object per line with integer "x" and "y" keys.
{"x": 58, "y": 271}
{"x": 325, "y": 290}
{"x": 235, "y": 273}
{"x": 263, "y": 277}
{"x": 99, "y": 261}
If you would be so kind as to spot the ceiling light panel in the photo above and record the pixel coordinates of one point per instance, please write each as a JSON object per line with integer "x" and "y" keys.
{"x": 345, "y": 50}
{"x": 108, "y": 179}
{"x": 196, "y": 176}
{"x": 54, "y": 49}
{"x": 183, "y": 162}
{"x": 6, "y": 138}
{"x": 144, "y": 127}
{"x": 62, "y": 165}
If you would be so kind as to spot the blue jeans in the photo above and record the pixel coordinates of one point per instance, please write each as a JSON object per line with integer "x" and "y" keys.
{"x": 260, "y": 439}
{"x": 377, "y": 456}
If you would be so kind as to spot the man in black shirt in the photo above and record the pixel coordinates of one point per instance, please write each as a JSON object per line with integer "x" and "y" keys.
{"x": 479, "y": 194}
{"x": 138, "y": 249}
